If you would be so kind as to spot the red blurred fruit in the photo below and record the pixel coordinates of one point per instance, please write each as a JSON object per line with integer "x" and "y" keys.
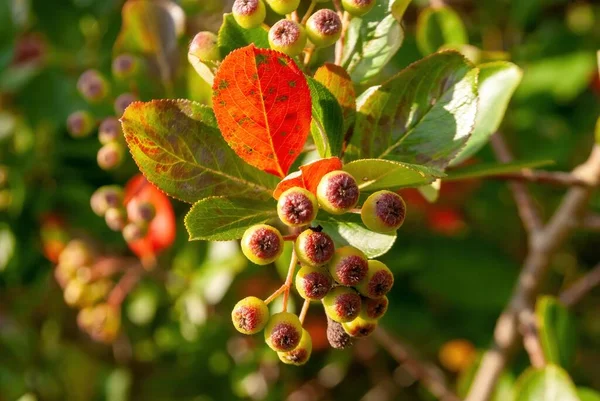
{"x": 317, "y": 327}
{"x": 446, "y": 221}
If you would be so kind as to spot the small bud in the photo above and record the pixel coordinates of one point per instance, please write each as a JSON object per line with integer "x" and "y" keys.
{"x": 122, "y": 101}
{"x": 126, "y": 66}
{"x": 262, "y": 244}
{"x": 288, "y": 37}
{"x": 80, "y": 124}
{"x": 337, "y": 336}
{"x": 92, "y": 86}
{"x": 134, "y": 231}
{"x": 299, "y": 355}
{"x": 108, "y": 196}
{"x": 110, "y": 156}
{"x": 358, "y": 8}
{"x": 116, "y": 218}
{"x": 337, "y": 192}
{"x": 283, "y": 332}
{"x": 249, "y": 13}
{"x": 349, "y": 266}
{"x": 205, "y": 47}
{"x": 313, "y": 283}
{"x": 342, "y": 304}
{"x": 324, "y": 27}
{"x": 140, "y": 211}
{"x": 250, "y": 315}
{"x": 297, "y": 207}
{"x": 383, "y": 212}
{"x": 283, "y": 7}
{"x": 360, "y": 327}
{"x": 314, "y": 248}
{"x": 378, "y": 282}
{"x": 109, "y": 131}
{"x": 374, "y": 308}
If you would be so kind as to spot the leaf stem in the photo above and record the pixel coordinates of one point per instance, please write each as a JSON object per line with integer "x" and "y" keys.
{"x": 288, "y": 281}
{"x": 304, "y": 310}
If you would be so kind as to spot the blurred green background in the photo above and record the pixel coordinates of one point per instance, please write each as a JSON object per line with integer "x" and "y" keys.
{"x": 455, "y": 261}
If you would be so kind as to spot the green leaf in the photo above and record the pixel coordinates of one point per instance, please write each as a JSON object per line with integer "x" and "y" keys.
{"x": 225, "y": 218}
{"x": 232, "y": 36}
{"x": 437, "y": 27}
{"x": 423, "y": 115}
{"x": 490, "y": 169}
{"x": 556, "y": 326}
{"x": 178, "y": 147}
{"x": 497, "y": 83}
{"x": 7, "y": 245}
{"x": 399, "y": 8}
{"x": 327, "y": 121}
{"x": 375, "y": 174}
{"x": 550, "y": 383}
{"x": 348, "y": 229}
{"x": 371, "y": 42}
{"x": 340, "y": 84}
{"x": 587, "y": 394}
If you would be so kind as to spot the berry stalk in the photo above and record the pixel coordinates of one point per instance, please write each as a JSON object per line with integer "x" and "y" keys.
{"x": 304, "y": 310}
{"x": 288, "y": 281}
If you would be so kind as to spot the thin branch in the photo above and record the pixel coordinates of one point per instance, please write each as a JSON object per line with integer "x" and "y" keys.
{"x": 124, "y": 286}
{"x": 527, "y": 210}
{"x": 557, "y": 178}
{"x": 581, "y": 287}
{"x": 531, "y": 339}
{"x": 304, "y": 310}
{"x": 274, "y": 295}
{"x": 288, "y": 281}
{"x": 431, "y": 377}
{"x": 546, "y": 243}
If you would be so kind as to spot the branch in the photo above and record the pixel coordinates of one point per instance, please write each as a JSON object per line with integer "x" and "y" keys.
{"x": 125, "y": 285}
{"x": 581, "y": 287}
{"x": 557, "y": 178}
{"x": 531, "y": 339}
{"x": 431, "y": 377}
{"x": 527, "y": 210}
{"x": 543, "y": 246}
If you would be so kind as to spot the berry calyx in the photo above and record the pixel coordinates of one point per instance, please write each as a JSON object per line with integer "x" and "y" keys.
{"x": 342, "y": 304}
{"x": 297, "y": 207}
{"x": 324, "y": 27}
{"x": 374, "y": 308}
{"x": 299, "y": 355}
{"x": 288, "y": 37}
{"x": 116, "y": 218}
{"x": 283, "y": 332}
{"x": 337, "y": 336}
{"x": 249, "y": 13}
{"x": 204, "y": 46}
{"x": 250, "y": 315}
{"x": 110, "y": 156}
{"x": 92, "y": 86}
{"x": 283, "y": 7}
{"x": 109, "y": 131}
{"x": 358, "y": 8}
{"x": 360, "y": 327}
{"x": 349, "y": 266}
{"x": 314, "y": 248}
{"x": 80, "y": 124}
{"x": 262, "y": 244}
{"x": 106, "y": 197}
{"x": 337, "y": 192}
{"x": 383, "y": 212}
{"x": 378, "y": 282}
{"x": 313, "y": 283}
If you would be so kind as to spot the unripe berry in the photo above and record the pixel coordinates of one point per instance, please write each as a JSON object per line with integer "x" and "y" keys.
{"x": 116, "y": 218}
{"x": 106, "y": 197}
{"x": 358, "y": 8}
{"x": 297, "y": 207}
{"x": 324, "y": 27}
{"x": 105, "y": 322}
{"x": 299, "y": 355}
{"x": 250, "y": 315}
{"x": 110, "y": 156}
{"x": 80, "y": 124}
{"x": 374, "y": 308}
{"x": 337, "y": 192}
{"x": 378, "y": 282}
{"x": 140, "y": 211}
{"x": 337, "y": 336}
{"x": 249, "y": 13}
{"x": 342, "y": 304}
{"x": 122, "y": 101}
{"x": 313, "y": 283}
{"x": 360, "y": 327}
{"x": 92, "y": 86}
{"x": 314, "y": 248}
{"x": 383, "y": 212}
{"x": 283, "y": 7}
{"x": 77, "y": 253}
{"x": 262, "y": 244}
{"x": 126, "y": 66}
{"x": 288, "y": 37}
{"x": 109, "y": 131}
{"x": 283, "y": 332}
{"x": 134, "y": 231}
{"x": 204, "y": 46}
{"x": 349, "y": 266}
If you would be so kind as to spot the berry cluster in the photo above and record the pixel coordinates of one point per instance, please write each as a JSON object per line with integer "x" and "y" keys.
{"x": 351, "y": 288}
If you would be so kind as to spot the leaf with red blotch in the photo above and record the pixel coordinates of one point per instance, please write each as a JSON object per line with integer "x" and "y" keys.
{"x": 339, "y": 83}
{"x": 309, "y": 176}
{"x": 263, "y": 107}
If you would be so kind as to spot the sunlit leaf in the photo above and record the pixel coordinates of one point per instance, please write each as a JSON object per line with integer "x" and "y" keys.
{"x": 557, "y": 331}
{"x": 327, "y": 121}
{"x": 437, "y": 27}
{"x": 339, "y": 83}
{"x": 550, "y": 383}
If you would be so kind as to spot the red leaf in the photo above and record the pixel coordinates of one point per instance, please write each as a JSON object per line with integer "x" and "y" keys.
{"x": 292, "y": 180}
{"x": 263, "y": 107}
{"x": 309, "y": 176}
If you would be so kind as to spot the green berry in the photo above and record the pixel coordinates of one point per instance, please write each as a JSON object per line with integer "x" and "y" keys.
{"x": 249, "y": 13}
{"x": 110, "y": 156}
{"x": 374, "y": 308}
{"x": 313, "y": 283}
{"x": 126, "y": 66}
{"x": 288, "y": 37}
{"x": 80, "y": 124}
{"x": 134, "y": 231}
{"x": 297, "y": 207}
{"x": 358, "y": 8}
{"x": 106, "y": 197}
{"x": 250, "y": 315}
{"x": 283, "y": 7}
{"x": 378, "y": 282}
{"x": 342, "y": 304}
{"x": 283, "y": 332}
{"x": 349, "y": 266}
{"x": 93, "y": 86}
{"x": 109, "y": 131}
{"x": 262, "y": 244}
{"x": 204, "y": 46}
{"x": 337, "y": 192}
{"x": 314, "y": 248}
{"x": 299, "y": 355}
{"x": 324, "y": 27}
{"x": 337, "y": 336}
{"x": 383, "y": 212}
{"x": 116, "y": 218}
{"x": 360, "y": 327}
{"x": 122, "y": 101}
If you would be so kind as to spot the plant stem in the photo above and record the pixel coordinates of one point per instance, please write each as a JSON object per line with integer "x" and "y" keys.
{"x": 339, "y": 45}
{"x": 304, "y": 310}
{"x": 309, "y": 11}
{"x": 288, "y": 281}
{"x": 308, "y": 55}
{"x": 124, "y": 286}
{"x": 543, "y": 177}
{"x": 274, "y": 295}
{"x": 581, "y": 287}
